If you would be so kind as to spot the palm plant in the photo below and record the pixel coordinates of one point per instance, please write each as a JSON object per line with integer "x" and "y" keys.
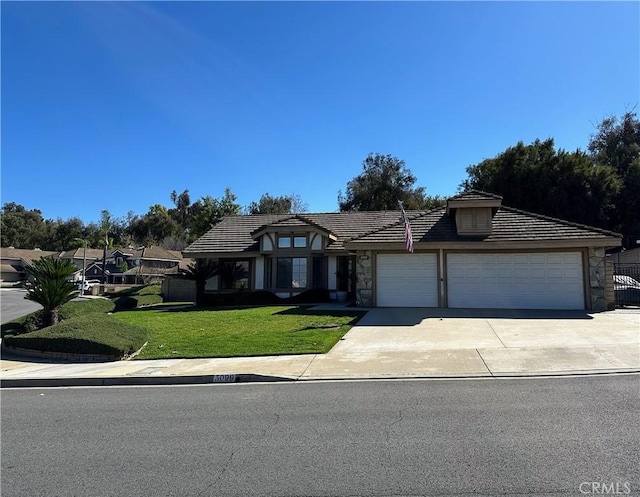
{"x": 200, "y": 271}
{"x": 50, "y": 286}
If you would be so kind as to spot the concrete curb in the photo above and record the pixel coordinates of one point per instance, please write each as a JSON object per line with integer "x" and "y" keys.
{"x": 258, "y": 378}
{"x": 139, "y": 380}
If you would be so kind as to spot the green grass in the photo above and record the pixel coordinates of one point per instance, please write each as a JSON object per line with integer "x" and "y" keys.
{"x": 85, "y": 327}
{"x": 84, "y": 334}
{"x": 249, "y": 331}
{"x": 69, "y": 310}
{"x": 84, "y": 308}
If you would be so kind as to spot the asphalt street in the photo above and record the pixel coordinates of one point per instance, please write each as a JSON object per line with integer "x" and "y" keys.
{"x": 554, "y": 436}
{"x": 13, "y": 304}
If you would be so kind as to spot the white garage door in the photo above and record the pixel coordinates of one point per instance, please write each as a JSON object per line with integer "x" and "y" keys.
{"x": 516, "y": 281}
{"x": 406, "y": 280}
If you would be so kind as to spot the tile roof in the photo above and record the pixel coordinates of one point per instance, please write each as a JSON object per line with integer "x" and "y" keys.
{"x": 26, "y": 255}
{"x": 79, "y": 254}
{"x": 234, "y": 234}
{"x": 475, "y": 195}
{"x": 509, "y": 224}
{"x": 158, "y": 253}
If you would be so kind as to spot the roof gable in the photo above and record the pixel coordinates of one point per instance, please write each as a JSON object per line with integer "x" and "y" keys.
{"x": 293, "y": 223}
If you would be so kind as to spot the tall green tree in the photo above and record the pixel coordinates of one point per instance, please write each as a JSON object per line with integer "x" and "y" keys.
{"x": 22, "y": 228}
{"x": 64, "y": 234}
{"x": 616, "y": 144}
{"x": 540, "y": 179}
{"x": 50, "y": 286}
{"x": 154, "y": 226}
{"x": 106, "y": 221}
{"x": 206, "y": 212}
{"x": 180, "y": 213}
{"x": 385, "y": 181}
{"x": 284, "y": 204}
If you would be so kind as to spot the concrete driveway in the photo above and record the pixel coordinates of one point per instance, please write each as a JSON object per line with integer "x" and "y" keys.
{"x": 448, "y": 342}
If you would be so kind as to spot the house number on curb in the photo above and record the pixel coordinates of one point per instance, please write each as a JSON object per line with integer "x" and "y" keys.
{"x": 224, "y": 378}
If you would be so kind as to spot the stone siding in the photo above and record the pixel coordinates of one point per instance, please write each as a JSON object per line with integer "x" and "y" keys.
{"x": 598, "y": 279}
{"x": 364, "y": 275}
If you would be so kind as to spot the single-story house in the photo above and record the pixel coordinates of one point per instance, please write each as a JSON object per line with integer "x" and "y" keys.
{"x": 13, "y": 262}
{"x": 472, "y": 253}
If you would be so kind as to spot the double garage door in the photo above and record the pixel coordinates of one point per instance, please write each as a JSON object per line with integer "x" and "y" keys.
{"x": 551, "y": 280}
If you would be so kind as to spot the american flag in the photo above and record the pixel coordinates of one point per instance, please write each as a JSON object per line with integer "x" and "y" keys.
{"x": 408, "y": 237}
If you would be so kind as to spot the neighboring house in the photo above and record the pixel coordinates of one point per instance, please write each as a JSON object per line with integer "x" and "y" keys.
{"x": 133, "y": 266}
{"x": 473, "y": 253}
{"x": 13, "y": 262}
{"x": 81, "y": 258}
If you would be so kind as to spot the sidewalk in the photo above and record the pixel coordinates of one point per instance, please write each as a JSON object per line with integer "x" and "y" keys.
{"x": 452, "y": 345}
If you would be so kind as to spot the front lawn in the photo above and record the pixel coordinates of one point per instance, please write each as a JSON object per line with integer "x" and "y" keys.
{"x": 249, "y": 331}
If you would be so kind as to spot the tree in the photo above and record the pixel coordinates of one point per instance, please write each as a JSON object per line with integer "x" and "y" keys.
{"x": 51, "y": 287}
{"x": 154, "y": 226}
{"x": 200, "y": 271}
{"x": 64, "y": 234}
{"x": 616, "y": 144}
{"x": 106, "y": 221}
{"x": 539, "y": 179}
{"x": 207, "y": 212}
{"x": 285, "y": 204}
{"x": 181, "y": 212}
{"x": 22, "y": 228}
{"x": 385, "y": 181}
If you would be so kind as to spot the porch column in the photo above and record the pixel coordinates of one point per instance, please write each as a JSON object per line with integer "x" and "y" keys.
{"x": 364, "y": 275}
{"x": 598, "y": 279}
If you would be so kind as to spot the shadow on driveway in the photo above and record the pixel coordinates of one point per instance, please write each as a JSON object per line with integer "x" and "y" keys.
{"x": 409, "y": 316}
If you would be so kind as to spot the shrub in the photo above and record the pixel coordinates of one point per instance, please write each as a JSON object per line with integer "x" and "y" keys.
{"x": 150, "y": 290}
{"x": 264, "y": 297}
{"x": 148, "y": 299}
{"x": 33, "y": 321}
{"x": 131, "y": 302}
{"x": 85, "y": 307}
{"x": 89, "y": 334}
{"x": 309, "y": 297}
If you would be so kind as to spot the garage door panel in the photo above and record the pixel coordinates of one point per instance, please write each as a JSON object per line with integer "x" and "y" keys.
{"x": 516, "y": 281}
{"x": 406, "y": 280}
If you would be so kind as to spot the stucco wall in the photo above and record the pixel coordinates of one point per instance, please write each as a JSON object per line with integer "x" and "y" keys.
{"x": 178, "y": 290}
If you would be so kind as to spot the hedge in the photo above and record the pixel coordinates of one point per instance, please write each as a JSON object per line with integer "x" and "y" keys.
{"x": 264, "y": 297}
{"x": 131, "y": 302}
{"x": 31, "y": 322}
{"x": 96, "y": 334}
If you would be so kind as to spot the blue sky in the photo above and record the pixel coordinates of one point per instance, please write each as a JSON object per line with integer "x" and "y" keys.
{"x": 112, "y": 105}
